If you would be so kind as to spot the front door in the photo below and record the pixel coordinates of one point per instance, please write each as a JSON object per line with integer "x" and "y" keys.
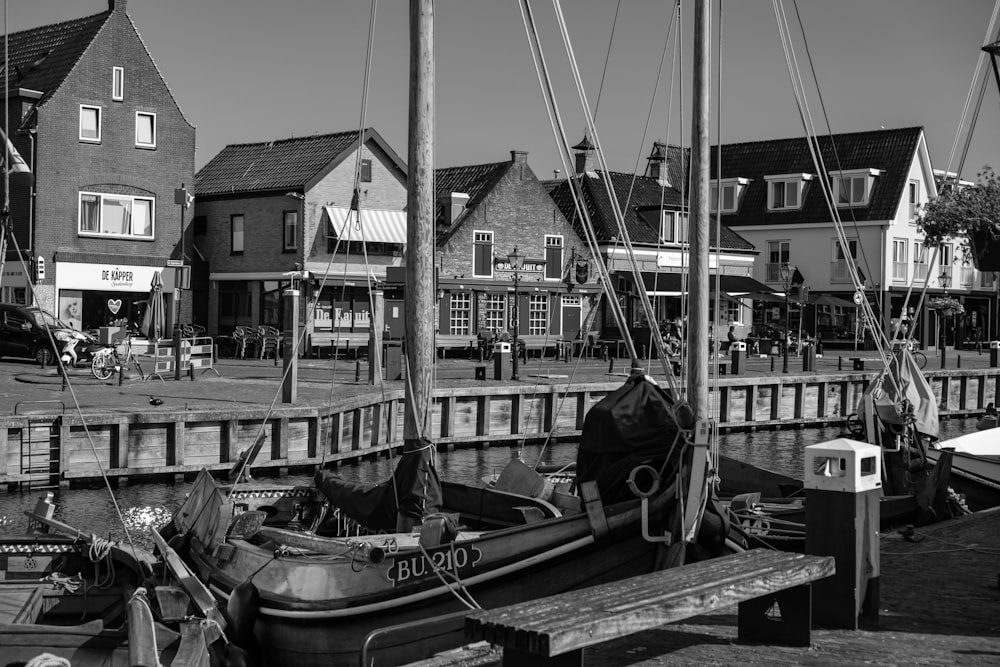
{"x": 570, "y": 316}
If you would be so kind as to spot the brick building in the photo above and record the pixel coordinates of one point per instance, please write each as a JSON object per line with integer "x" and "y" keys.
{"x": 483, "y": 213}
{"x": 268, "y": 212}
{"x": 108, "y": 145}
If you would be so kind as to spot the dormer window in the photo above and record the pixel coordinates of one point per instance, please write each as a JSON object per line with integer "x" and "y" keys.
{"x": 854, "y": 187}
{"x": 732, "y": 193}
{"x": 786, "y": 192}
{"x": 673, "y": 227}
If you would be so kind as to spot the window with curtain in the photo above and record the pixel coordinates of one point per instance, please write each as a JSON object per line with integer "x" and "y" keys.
{"x": 236, "y": 234}
{"x": 116, "y": 215}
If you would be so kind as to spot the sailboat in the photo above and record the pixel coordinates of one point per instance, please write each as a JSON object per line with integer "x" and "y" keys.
{"x": 325, "y": 574}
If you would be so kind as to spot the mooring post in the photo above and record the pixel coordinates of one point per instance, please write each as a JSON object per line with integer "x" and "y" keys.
{"x": 842, "y": 520}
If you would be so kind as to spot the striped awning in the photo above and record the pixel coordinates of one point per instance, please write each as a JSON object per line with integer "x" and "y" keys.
{"x": 377, "y": 226}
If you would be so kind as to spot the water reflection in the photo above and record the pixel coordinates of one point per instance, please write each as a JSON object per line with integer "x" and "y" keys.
{"x": 145, "y": 506}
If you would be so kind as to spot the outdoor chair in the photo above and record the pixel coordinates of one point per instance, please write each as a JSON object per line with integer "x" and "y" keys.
{"x": 270, "y": 339}
{"x": 247, "y": 341}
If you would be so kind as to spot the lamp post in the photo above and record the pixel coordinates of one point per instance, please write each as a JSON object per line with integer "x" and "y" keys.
{"x": 786, "y": 276}
{"x": 515, "y": 259}
{"x": 945, "y": 280}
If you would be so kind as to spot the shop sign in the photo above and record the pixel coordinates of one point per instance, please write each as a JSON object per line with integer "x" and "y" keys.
{"x": 13, "y": 276}
{"x": 104, "y": 277}
{"x": 528, "y": 266}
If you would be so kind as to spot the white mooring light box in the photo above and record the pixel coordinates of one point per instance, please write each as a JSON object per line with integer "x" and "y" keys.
{"x": 843, "y": 465}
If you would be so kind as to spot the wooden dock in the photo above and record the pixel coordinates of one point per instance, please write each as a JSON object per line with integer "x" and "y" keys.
{"x": 940, "y": 605}
{"x": 59, "y": 448}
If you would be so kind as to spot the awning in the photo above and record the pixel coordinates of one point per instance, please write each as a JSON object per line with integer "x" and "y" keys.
{"x": 669, "y": 284}
{"x": 377, "y": 226}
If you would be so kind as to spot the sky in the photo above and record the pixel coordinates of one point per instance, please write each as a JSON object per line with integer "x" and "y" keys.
{"x": 258, "y": 70}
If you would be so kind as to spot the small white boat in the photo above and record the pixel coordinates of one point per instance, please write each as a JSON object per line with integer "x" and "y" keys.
{"x": 975, "y": 468}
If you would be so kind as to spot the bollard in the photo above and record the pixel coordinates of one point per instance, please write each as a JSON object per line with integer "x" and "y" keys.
{"x": 959, "y": 361}
{"x": 772, "y": 364}
{"x": 357, "y": 370}
{"x": 994, "y": 353}
{"x": 191, "y": 373}
{"x": 611, "y": 366}
{"x": 843, "y": 484}
{"x": 840, "y": 363}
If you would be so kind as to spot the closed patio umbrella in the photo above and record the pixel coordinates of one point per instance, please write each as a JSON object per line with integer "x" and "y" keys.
{"x": 154, "y": 321}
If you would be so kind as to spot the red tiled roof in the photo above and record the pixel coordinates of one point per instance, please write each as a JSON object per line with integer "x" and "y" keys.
{"x": 271, "y": 165}
{"x": 41, "y": 58}
{"x": 889, "y": 150}
{"x": 475, "y": 180}
{"x": 636, "y": 195}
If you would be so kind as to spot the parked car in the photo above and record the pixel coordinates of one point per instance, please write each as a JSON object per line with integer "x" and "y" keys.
{"x": 24, "y": 332}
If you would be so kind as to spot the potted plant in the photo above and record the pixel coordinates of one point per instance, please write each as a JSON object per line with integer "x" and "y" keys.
{"x": 972, "y": 211}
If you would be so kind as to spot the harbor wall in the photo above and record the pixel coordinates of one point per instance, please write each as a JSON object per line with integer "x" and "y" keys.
{"x": 49, "y": 449}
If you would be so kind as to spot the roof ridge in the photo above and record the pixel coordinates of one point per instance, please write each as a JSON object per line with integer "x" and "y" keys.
{"x": 285, "y": 140}
{"x": 473, "y": 166}
{"x": 911, "y": 128}
{"x": 60, "y": 24}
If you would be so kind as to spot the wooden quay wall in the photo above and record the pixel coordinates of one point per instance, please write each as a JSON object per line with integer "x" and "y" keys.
{"x": 177, "y": 443}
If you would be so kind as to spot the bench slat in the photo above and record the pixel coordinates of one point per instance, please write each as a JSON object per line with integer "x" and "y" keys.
{"x": 574, "y": 620}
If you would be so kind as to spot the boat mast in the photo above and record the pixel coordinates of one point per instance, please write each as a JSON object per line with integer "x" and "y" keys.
{"x": 419, "y": 308}
{"x": 698, "y": 315}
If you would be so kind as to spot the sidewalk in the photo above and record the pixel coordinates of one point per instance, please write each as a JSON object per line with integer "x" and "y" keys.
{"x": 256, "y": 383}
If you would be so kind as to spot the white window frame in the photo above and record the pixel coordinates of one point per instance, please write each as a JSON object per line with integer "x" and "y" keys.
{"x": 866, "y": 176}
{"x": 900, "y": 261}
{"x": 913, "y": 194}
{"x": 482, "y": 237}
{"x": 118, "y": 83}
{"x": 735, "y": 185}
{"x": 460, "y": 313}
{"x": 289, "y": 230}
{"x": 783, "y": 248}
{"x": 99, "y": 111}
{"x": 676, "y": 223}
{"x": 101, "y": 197}
{"x": 152, "y": 116}
{"x": 538, "y": 314}
{"x": 237, "y": 241}
{"x": 553, "y": 241}
{"x": 495, "y": 311}
{"x": 789, "y": 183}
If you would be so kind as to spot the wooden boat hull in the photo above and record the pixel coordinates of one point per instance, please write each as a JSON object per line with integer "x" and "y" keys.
{"x": 46, "y": 608}
{"x": 977, "y": 477}
{"x": 316, "y": 609}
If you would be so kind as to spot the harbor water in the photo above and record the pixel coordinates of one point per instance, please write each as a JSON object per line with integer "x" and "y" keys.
{"x": 145, "y": 506}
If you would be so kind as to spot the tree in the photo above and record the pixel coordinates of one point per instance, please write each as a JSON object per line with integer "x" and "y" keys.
{"x": 972, "y": 211}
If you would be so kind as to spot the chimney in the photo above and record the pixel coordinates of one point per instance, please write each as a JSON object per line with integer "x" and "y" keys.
{"x": 117, "y": 4}
{"x": 584, "y": 156}
{"x": 454, "y": 205}
{"x": 656, "y": 164}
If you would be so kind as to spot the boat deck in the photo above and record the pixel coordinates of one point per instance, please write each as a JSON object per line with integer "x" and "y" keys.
{"x": 939, "y": 604}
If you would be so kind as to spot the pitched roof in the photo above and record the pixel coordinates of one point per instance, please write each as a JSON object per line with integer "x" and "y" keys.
{"x": 477, "y": 181}
{"x": 889, "y": 150}
{"x": 637, "y": 196}
{"x": 280, "y": 164}
{"x": 41, "y": 58}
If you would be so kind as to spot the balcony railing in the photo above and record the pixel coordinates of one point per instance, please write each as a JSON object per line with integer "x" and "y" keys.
{"x": 967, "y": 276}
{"x": 899, "y": 271}
{"x": 773, "y": 270}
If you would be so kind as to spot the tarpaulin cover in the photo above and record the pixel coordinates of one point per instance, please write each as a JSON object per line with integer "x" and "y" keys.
{"x": 416, "y": 485}
{"x": 630, "y": 426}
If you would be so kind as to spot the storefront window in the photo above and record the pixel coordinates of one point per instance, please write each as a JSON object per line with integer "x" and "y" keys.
{"x": 271, "y": 311}
{"x": 234, "y": 304}
{"x": 538, "y": 315}
{"x": 495, "y": 312}
{"x": 460, "y": 315}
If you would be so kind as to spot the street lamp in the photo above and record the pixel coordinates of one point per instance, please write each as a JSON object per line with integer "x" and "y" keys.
{"x": 945, "y": 280}
{"x": 515, "y": 258}
{"x": 786, "y": 277}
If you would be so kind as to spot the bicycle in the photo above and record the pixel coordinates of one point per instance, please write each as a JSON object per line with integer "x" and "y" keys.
{"x": 113, "y": 358}
{"x": 914, "y": 347}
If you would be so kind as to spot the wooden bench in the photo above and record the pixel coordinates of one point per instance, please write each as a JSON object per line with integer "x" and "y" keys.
{"x": 556, "y": 629}
{"x": 337, "y": 342}
{"x": 445, "y": 342}
{"x": 859, "y": 363}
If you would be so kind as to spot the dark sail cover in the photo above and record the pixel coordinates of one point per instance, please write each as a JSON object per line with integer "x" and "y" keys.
{"x": 415, "y": 483}
{"x": 630, "y": 426}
